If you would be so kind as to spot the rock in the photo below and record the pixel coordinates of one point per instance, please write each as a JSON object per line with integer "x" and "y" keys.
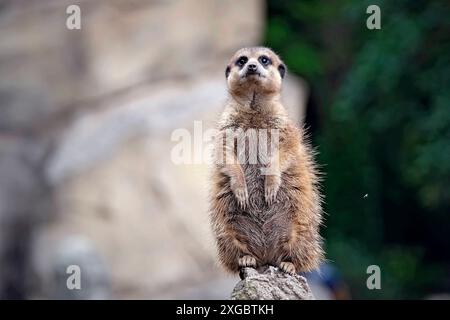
{"x": 22, "y": 201}
{"x": 271, "y": 284}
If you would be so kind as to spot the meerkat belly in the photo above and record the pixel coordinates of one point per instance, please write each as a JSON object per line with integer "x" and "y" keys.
{"x": 264, "y": 227}
{"x": 255, "y": 186}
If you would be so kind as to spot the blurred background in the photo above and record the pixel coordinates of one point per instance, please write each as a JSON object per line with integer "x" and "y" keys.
{"x": 86, "y": 118}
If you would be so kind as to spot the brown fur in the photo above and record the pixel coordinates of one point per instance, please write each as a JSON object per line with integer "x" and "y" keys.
{"x": 264, "y": 219}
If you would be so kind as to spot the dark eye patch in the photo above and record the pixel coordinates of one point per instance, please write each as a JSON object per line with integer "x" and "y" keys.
{"x": 282, "y": 70}
{"x": 264, "y": 60}
{"x": 241, "y": 61}
{"x": 227, "y": 71}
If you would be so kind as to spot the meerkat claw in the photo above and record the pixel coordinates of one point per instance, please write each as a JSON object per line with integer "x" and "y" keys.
{"x": 242, "y": 197}
{"x": 270, "y": 195}
{"x": 287, "y": 267}
{"x": 270, "y": 192}
{"x": 247, "y": 261}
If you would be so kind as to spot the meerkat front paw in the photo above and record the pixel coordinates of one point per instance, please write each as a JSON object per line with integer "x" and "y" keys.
{"x": 272, "y": 184}
{"x": 241, "y": 193}
{"x": 247, "y": 261}
{"x": 287, "y": 267}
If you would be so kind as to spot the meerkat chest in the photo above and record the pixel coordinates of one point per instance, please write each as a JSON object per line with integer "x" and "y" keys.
{"x": 256, "y": 145}
{"x": 259, "y": 122}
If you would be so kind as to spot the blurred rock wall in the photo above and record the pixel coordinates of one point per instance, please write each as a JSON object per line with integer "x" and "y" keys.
{"x": 86, "y": 118}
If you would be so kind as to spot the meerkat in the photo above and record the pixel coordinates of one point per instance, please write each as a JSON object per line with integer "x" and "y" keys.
{"x": 266, "y": 211}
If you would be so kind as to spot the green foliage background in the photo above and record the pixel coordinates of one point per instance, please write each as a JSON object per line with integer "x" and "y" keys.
{"x": 381, "y": 121}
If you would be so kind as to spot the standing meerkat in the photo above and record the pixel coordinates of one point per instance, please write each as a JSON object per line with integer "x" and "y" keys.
{"x": 265, "y": 199}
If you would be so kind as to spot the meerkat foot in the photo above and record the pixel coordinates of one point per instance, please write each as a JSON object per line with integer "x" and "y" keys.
{"x": 287, "y": 267}
{"x": 247, "y": 261}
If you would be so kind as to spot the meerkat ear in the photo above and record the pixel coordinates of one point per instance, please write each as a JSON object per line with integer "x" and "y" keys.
{"x": 227, "y": 71}
{"x": 282, "y": 70}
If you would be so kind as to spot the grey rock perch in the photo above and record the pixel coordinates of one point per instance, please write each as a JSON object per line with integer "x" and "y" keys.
{"x": 271, "y": 284}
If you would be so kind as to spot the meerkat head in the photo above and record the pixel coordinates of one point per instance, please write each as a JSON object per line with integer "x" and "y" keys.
{"x": 255, "y": 70}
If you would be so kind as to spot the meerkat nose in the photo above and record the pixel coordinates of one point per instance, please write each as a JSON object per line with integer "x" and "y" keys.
{"x": 251, "y": 67}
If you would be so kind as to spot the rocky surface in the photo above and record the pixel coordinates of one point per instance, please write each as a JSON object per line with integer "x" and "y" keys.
{"x": 86, "y": 124}
{"x": 271, "y": 284}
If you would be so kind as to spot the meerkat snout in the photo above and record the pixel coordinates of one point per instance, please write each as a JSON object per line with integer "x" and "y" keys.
{"x": 252, "y": 69}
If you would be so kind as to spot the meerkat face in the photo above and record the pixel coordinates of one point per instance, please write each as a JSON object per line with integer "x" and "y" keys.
{"x": 256, "y": 69}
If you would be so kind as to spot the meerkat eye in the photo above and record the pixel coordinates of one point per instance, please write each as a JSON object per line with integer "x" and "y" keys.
{"x": 264, "y": 60}
{"x": 241, "y": 61}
